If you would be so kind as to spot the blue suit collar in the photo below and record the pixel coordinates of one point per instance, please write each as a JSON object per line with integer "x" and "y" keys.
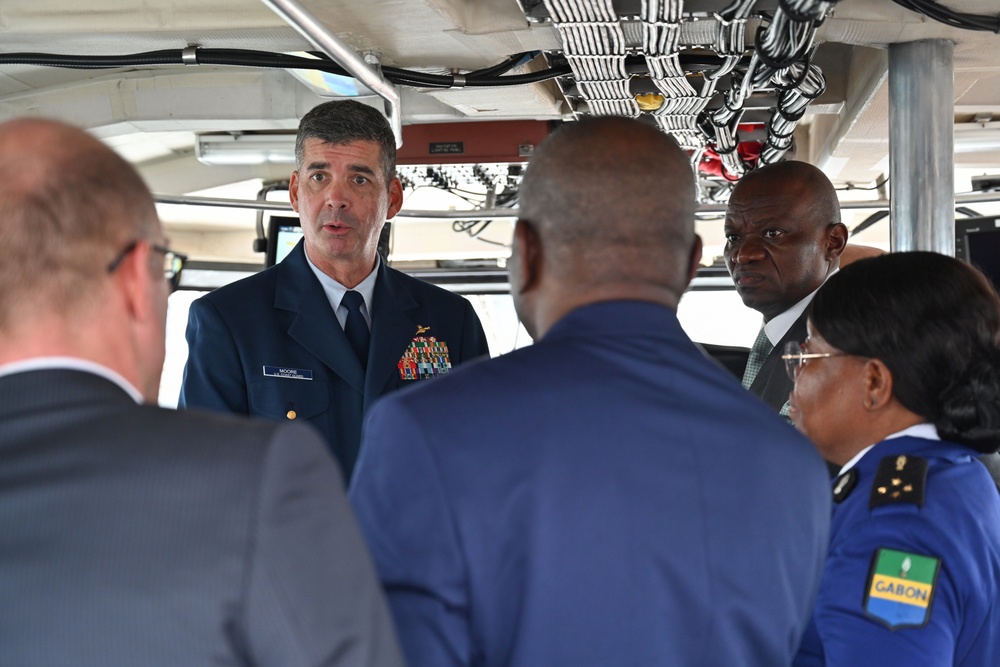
{"x": 314, "y": 326}
{"x": 619, "y": 319}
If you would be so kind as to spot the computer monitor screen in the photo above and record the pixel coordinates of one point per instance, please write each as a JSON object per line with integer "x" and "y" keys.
{"x": 977, "y": 241}
{"x": 283, "y": 233}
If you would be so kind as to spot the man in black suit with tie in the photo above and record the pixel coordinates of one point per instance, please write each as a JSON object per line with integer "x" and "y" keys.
{"x": 784, "y": 238}
{"x": 130, "y": 534}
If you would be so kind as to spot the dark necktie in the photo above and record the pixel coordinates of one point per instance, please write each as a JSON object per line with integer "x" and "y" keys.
{"x": 355, "y": 327}
{"x": 758, "y": 353}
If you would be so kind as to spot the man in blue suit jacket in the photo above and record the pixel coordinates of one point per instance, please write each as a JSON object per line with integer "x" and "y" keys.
{"x": 607, "y": 496}
{"x": 280, "y": 344}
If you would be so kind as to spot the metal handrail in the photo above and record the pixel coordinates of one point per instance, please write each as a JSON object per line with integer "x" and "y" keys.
{"x": 257, "y": 204}
{"x": 307, "y": 25}
{"x": 510, "y": 213}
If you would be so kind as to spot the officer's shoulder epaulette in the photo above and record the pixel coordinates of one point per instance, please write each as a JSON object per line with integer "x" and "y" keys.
{"x": 899, "y": 479}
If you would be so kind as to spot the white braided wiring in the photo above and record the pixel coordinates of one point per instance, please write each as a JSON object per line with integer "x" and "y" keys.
{"x": 791, "y": 102}
{"x": 581, "y": 10}
{"x": 596, "y": 47}
{"x": 784, "y": 43}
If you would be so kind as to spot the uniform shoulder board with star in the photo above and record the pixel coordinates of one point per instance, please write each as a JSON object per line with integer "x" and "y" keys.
{"x": 899, "y": 479}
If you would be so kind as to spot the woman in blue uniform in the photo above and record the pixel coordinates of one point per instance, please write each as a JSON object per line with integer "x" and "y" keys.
{"x": 899, "y": 383}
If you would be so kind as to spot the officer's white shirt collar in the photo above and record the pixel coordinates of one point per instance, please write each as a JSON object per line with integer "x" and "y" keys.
{"x": 925, "y": 430}
{"x": 335, "y": 291}
{"x": 74, "y": 364}
{"x": 779, "y": 325}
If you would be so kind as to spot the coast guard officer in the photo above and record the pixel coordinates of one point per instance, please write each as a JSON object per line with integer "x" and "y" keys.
{"x": 331, "y": 328}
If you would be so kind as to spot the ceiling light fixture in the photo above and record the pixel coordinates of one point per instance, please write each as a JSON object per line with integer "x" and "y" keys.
{"x": 245, "y": 148}
{"x": 978, "y": 137}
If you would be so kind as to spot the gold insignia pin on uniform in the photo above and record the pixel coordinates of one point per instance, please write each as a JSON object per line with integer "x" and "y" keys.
{"x": 291, "y": 414}
{"x": 899, "y": 479}
{"x": 422, "y": 329}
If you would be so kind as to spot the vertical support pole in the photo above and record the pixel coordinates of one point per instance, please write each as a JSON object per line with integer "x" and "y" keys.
{"x": 922, "y": 146}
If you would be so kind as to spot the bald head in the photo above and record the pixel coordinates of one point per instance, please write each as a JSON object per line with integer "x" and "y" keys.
{"x": 70, "y": 209}
{"x": 68, "y": 204}
{"x": 611, "y": 201}
{"x": 617, "y": 190}
{"x": 783, "y": 235}
{"x": 800, "y": 181}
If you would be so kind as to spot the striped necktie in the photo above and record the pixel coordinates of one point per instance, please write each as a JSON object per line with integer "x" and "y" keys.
{"x": 758, "y": 353}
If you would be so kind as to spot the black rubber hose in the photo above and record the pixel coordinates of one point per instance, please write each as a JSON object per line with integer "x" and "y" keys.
{"x": 520, "y": 79}
{"x": 968, "y": 212}
{"x": 394, "y": 74}
{"x": 249, "y": 58}
{"x": 952, "y": 17}
{"x": 169, "y": 57}
{"x": 868, "y": 222}
{"x": 504, "y": 67}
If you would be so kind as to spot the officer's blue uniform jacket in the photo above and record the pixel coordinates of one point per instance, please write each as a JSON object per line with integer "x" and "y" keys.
{"x": 875, "y": 607}
{"x": 271, "y": 345}
{"x": 605, "y": 497}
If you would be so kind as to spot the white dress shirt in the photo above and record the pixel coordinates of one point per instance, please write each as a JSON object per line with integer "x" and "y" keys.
{"x": 335, "y": 291}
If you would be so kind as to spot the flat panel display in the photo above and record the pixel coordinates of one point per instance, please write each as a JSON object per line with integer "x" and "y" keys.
{"x": 283, "y": 233}
{"x": 977, "y": 241}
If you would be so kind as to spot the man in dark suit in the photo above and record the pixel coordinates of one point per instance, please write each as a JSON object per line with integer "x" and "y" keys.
{"x": 784, "y": 238}
{"x": 129, "y": 534}
{"x": 289, "y": 343}
{"x": 608, "y": 495}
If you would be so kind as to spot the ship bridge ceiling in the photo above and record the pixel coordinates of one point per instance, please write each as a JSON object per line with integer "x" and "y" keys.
{"x": 737, "y": 82}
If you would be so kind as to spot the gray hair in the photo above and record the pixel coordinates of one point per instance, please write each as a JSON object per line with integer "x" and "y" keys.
{"x": 343, "y": 121}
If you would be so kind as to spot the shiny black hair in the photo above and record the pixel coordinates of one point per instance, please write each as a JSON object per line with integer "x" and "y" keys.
{"x": 934, "y": 321}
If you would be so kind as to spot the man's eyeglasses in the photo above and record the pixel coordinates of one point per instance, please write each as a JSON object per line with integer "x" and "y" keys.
{"x": 796, "y": 357}
{"x": 173, "y": 262}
